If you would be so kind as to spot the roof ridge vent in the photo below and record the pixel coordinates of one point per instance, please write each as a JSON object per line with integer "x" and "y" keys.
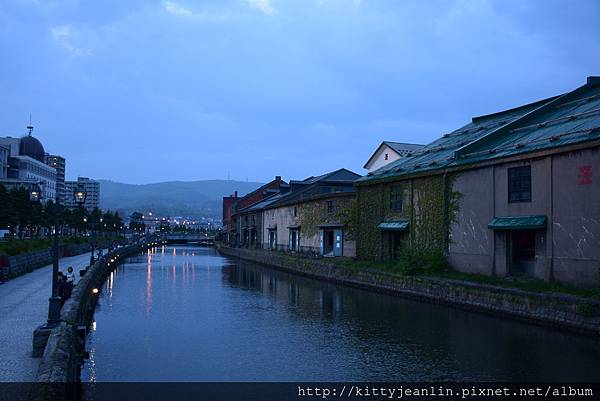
{"x": 593, "y": 80}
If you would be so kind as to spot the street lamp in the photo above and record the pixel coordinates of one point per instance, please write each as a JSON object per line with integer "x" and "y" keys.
{"x": 80, "y": 194}
{"x": 35, "y": 193}
{"x": 54, "y": 302}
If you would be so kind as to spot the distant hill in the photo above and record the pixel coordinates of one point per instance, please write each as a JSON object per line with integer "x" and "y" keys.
{"x": 171, "y": 198}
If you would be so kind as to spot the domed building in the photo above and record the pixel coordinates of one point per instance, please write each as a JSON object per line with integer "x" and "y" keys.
{"x": 32, "y": 147}
{"x": 26, "y": 166}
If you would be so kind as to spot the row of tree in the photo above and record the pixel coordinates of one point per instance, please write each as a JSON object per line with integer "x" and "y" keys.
{"x": 27, "y": 219}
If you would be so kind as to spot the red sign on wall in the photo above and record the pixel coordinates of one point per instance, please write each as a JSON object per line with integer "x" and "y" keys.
{"x": 585, "y": 175}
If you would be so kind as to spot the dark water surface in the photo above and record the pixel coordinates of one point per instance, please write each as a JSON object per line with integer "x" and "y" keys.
{"x": 187, "y": 314}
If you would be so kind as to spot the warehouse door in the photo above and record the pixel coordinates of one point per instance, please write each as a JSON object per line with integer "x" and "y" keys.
{"x": 522, "y": 252}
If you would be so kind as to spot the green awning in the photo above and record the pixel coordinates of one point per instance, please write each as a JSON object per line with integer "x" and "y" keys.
{"x": 397, "y": 225}
{"x": 518, "y": 223}
{"x": 332, "y": 225}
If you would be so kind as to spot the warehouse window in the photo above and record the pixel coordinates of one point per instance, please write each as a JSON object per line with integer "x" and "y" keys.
{"x": 519, "y": 184}
{"x": 396, "y": 198}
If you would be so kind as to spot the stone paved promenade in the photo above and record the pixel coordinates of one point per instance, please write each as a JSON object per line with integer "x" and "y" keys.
{"x": 23, "y": 307}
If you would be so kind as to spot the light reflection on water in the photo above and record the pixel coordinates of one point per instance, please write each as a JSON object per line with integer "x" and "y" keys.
{"x": 186, "y": 314}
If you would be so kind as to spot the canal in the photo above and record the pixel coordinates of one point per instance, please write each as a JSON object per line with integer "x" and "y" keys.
{"x": 187, "y": 314}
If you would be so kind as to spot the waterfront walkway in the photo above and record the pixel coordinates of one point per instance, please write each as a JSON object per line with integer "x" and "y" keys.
{"x": 23, "y": 307}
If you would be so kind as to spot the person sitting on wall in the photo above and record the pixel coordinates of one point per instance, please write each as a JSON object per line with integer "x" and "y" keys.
{"x": 70, "y": 275}
{"x": 62, "y": 288}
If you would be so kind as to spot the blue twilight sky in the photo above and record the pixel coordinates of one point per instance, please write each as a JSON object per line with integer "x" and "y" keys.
{"x": 142, "y": 91}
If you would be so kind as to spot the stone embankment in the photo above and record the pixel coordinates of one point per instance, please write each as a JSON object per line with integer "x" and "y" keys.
{"x": 64, "y": 350}
{"x": 567, "y": 312}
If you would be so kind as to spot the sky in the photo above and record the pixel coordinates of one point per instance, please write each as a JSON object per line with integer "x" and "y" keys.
{"x": 143, "y": 91}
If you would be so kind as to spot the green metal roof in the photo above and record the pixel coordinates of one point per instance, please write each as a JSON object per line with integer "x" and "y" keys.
{"x": 573, "y": 118}
{"x": 518, "y": 223}
{"x": 397, "y": 225}
{"x": 557, "y": 121}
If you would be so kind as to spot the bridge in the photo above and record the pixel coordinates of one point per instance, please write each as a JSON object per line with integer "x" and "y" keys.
{"x": 183, "y": 238}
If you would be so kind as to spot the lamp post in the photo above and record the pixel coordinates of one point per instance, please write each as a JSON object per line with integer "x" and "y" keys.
{"x": 54, "y": 303}
{"x": 35, "y": 194}
{"x": 80, "y": 194}
{"x": 41, "y": 334}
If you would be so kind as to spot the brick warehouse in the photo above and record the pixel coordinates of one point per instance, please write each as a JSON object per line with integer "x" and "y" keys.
{"x": 232, "y": 222}
{"x": 511, "y": 193}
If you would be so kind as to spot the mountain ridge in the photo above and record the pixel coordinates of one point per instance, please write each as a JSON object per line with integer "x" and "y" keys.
{"x": 201, "y": 198}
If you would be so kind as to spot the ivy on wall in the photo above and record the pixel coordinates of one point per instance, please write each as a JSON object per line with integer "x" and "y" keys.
{"x": 346, "y": 215}
{"x": 369, "y": 205}
{"x": 429, "y": 203}
{"x": 314, "y": 213}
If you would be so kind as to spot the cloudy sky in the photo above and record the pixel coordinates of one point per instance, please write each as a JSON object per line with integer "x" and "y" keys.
{"x": 142, "y": 91}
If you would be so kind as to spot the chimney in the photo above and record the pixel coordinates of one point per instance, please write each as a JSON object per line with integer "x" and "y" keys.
{"x": 235, "y": 194}
{"x": 277, "y": 178}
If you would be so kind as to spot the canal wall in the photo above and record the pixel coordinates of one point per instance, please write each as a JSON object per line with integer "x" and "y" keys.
{"x": 566, "y": 312}
{"x": 64, "y": 350}
{"x": 13, "y": 266}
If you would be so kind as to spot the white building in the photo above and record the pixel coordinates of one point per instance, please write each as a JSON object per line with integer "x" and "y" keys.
{"x": 388, "y": 152}
{"x": 26, "y": 167}
{"x": 34, "y": 171}
{"x": 92, "y": 189}
{"x": 59, "y": 163}
{"x": 4, "y": 152}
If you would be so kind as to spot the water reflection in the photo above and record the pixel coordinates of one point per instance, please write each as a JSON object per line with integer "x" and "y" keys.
{"x": 149, "y": 284}
{"x": 230, "y": 320}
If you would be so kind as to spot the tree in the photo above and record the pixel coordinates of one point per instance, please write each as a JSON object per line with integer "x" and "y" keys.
{"x": 95, "y": 220}
{"x": 118, "y": 223}
{"x": 8, "y": 217}
{"x": 77, "y": 219}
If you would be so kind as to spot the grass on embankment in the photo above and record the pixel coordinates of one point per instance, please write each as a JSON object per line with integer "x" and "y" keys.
{"x": 435, "y": 265}
{"x": 13, "y": 247}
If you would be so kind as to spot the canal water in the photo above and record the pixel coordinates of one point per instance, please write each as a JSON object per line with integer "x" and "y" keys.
{"x": 187, "y": 314}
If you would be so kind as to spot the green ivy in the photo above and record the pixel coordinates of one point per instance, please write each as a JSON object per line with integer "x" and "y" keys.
{"x": 429, "y": 203}
{"x": 312, "y": 214}
{"x": 368, "y": 236}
